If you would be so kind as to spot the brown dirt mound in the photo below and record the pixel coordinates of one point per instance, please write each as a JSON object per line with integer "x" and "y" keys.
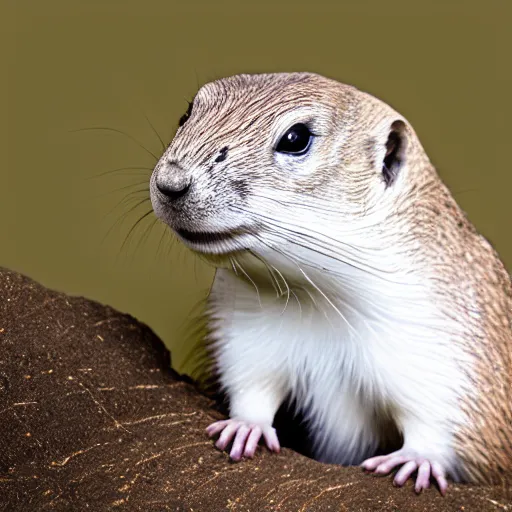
{"x": 93, "y": 418}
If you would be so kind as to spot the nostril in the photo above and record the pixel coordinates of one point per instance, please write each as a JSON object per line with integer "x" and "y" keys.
{"x": 173, "y": 191}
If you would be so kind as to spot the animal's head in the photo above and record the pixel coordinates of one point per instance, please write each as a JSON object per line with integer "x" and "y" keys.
{"x": 263, "y": 160}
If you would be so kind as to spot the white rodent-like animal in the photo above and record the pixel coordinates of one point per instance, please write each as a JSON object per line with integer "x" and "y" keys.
{"x": 348, "y": 278}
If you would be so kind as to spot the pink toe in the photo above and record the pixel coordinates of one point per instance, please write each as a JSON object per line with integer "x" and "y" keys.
{"x": 423, "y": 478}
{"x": 404, "y": 473}
{"x": 227, "y": 435}
{"x": 371, "y": 464}
{"x": 216, "y": 427}
{"x": 239, "y": 442}
{"x": 439, "y": 474}
{"x": 386, "y": 466}
{"x": 252, "y": 442}
{"x": 271, "y": 439}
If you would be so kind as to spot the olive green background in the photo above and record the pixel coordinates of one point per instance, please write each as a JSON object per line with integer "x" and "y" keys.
{"x": 68, "y": 65}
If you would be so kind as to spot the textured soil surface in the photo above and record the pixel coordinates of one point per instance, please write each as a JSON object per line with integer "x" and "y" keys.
{"x": 92, "y": 418}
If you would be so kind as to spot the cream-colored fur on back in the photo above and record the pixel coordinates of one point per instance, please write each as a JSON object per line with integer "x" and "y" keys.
{"x": 366, "y": 300}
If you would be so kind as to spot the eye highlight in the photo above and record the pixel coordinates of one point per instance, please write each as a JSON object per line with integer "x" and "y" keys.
{"x": 296, "y": 141}
{"x": 186, "y": 115}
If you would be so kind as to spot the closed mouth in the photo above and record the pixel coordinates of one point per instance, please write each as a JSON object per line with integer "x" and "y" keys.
{"x": 207, "y": 237}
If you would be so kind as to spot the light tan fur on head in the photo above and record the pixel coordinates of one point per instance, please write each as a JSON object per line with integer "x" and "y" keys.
{"x": 244, "y": 117}
{"x": 365, "y": 194}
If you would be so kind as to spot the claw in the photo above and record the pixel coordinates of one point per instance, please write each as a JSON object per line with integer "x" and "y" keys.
{"x": 239, "y": 443}
{"x": 245, "y": 437}
{"x": 439, "y": 474}
{"x": 227, "y": 435}
{"x": 410, "y": 462}
{"x": 252, "y": 442}
{"x": 404, "y": 473}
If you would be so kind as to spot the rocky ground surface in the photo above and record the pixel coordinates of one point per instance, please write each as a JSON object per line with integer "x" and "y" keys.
{"x": 93, "y": 418}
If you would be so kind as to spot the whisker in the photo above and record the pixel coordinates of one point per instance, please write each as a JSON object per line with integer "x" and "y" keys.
{"x": 115, "y": 130}
{"x": 249, "y": 278}
{"x": 113, "y": 191}
{"x": 155, "y": 132}
{"x": 342, "y": 316}
{"x": 295, "y": 204}
{"x": 122, "y": 217}
{"x": 281, "y": 225}
{"x": 312, "y": 283}
{"x": 145, "y": 236}
{"x": 277, "y": 287}
{"x": 273, "y": 279}
{"x": 316, "y": 207}
{"x": 287, "y": 288}
{"x": 182, "y": 253}
{"x": 164, "y": 233}
{"x": 133, "y": 228}
{"x": 315, "y": 305}
{"x": 233, "y": 266}
{"x": 298, "y": 302}
{"x": 322, "y": 209}
{"x": 331, "y": 252}
{"x": 119, "y": 169}
{"x": 311, "y": 297}
{"x": 127, "y": 199}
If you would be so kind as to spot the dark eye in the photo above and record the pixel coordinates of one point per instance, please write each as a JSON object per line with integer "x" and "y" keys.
{"x": 186, "y": 115}
{"x": 296, "y": 140}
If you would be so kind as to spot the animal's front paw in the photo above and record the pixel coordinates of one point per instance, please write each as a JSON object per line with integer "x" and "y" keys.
{"x": 411, "y": 461}
{"x": 246, "y": 437}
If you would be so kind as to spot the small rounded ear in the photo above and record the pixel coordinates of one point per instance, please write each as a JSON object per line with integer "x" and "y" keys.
{"x": 395, "y": 152}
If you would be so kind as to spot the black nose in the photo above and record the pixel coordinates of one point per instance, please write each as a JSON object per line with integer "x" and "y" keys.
{"x": 172, "y": 191}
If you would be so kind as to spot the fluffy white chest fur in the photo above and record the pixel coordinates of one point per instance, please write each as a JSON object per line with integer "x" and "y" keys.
{"x": 355, "y": 352}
